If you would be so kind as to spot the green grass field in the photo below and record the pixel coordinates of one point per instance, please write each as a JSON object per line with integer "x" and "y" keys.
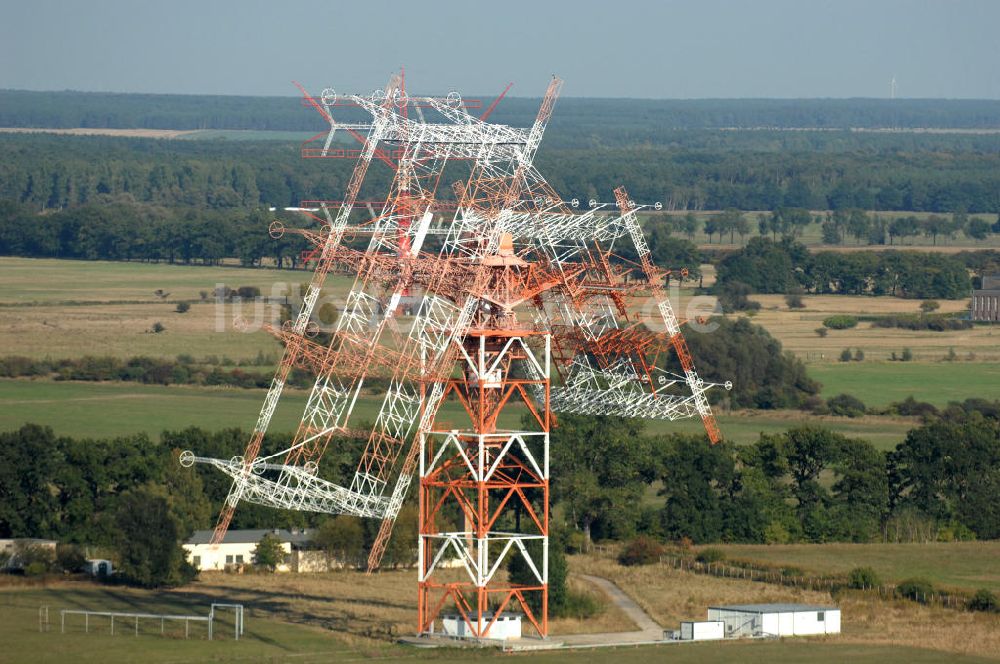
{"x": 269, "y": 640}
{"x": 880, "y": 383}
{"x": 961, "y": 565}
{"x": 112, "y": 409}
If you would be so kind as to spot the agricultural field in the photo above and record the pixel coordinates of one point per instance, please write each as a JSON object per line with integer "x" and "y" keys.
{"x": 796, "y": 329}
{"x": 347, "y": 616}
{"x": 67, "y": 309}
{"x": 965, "y": 566}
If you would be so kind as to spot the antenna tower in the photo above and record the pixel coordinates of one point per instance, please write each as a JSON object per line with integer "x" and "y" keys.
{"x": 523, "y": 303}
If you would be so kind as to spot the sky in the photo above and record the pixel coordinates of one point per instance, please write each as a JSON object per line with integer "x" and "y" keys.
{"x": 612, "y": 48}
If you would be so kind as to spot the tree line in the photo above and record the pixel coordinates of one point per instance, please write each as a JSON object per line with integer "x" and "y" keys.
{"x": 124, "y": 230}
{"x": 766, "y": 266}
{"x": 45, "y": 171}
{"x": 23, "y": 108}
{"x": 807, "y": 484}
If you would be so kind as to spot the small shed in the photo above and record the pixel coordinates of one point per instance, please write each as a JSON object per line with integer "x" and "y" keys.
{"x": 98, "y": 567}
{"x": 507, "y": 626}
{"x": 707, "y": 630}
{"x": 776, "y": 619}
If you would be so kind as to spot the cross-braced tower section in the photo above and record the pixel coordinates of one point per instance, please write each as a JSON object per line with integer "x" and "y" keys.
{"x": 484, "y": 487}
{"x": 524, "y": 306}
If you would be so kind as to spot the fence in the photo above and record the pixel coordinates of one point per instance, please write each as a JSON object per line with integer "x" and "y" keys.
{"x": 133, "y": 619}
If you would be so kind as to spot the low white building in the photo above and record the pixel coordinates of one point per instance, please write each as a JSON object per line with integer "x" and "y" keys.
{"x": 507, "y": 626}
{"x": 776, "y": 619}
{"x": 706, "y": 630}
{"x": 237, "y": 547}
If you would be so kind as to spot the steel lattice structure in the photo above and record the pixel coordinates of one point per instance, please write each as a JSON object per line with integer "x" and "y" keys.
{"x": 522, "y": 299}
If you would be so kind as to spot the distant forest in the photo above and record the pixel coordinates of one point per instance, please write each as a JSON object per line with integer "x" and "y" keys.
{"x": 54, "y": 172}
{"x": 635, "y": 118}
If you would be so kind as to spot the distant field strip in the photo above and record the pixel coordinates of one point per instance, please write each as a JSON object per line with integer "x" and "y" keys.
{"x": 85, "y": 409}
{"x": 880, "y": 383}
{"x": 960, "y": 565}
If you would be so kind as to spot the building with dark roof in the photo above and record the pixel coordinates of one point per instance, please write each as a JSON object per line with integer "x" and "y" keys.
{"x": 237, "y": 547}
{"x": 986, "y": 300}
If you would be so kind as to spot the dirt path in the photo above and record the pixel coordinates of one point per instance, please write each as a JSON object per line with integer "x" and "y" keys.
{"x": 649, "y": 630}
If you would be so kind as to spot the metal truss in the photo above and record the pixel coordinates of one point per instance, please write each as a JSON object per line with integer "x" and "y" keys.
{"x": 521, "y": 300}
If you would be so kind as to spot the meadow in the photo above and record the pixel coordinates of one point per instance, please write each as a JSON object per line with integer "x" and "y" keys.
{"x": 965, "y": 566}
{"x": 67, "y": 309}
{"x": 347, "y": 616}
{"x": 62, "y": 308}
{"x": 95, "y": 410}
{"x": 670, "y": 595}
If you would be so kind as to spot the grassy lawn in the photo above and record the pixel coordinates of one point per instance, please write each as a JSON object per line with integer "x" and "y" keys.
{"x": 318, "y": 618}
{"x": 880, "y": 383}
{"x": 961, "y": 565}
{"x": 113, "y": 409}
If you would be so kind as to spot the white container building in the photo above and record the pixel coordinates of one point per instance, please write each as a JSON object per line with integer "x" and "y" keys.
{"x": 776, "y": 619}
{"x": 707, "y": 630}
{"x": 507, "y": 626}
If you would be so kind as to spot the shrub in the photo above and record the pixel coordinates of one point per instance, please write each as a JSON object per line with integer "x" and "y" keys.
{"x": 910, "y": 407}
{"x": 735, "y": 296}
{"x": 792, "y": 572}
{"x": 36, "y": 568}
{"x": 158, "y": 327}
{"x": 859, "y": 355}
{"x": 268, "y": 553}
{"x": 183, "y": 307}
{"x": 928, "y": 306}
{"x": 711, "y": 555}
{"x": 919, "y": 590}
{"x": 846, "y": 405}
{"x": 69, "y": 557}
{"x": 840, "y": 322}
{"x": 581, "y": 605}
{"x": 794, "y": 299}
{"x": 327, "y": 314}
{"x": 814, "y": 404}
{"x": 641, "y": 551}
{"x": 936, "y": 323}
{"x": 907, "y": 355}
{"x": 576, "y": 542}
{"x": 984, "y": 600}
{"x": 845, "y": 355}
{"x": 822, "y": 332}
{"x": 863, "y": 577}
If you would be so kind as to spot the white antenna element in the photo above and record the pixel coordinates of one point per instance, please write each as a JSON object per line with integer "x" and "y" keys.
{"x": 892, "y": 87}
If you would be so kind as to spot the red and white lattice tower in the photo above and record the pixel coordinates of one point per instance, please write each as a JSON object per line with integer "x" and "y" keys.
{"x": 523, "y": 301}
